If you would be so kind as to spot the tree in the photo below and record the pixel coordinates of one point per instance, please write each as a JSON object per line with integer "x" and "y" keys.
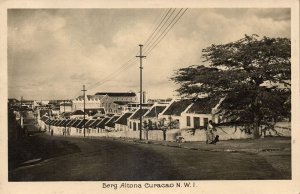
{"x": 251, "y": 75}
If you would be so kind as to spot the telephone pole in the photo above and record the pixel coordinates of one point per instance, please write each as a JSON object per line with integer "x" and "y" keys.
{"x": 65, "y": 133}
{"x": 141, "y": 87}
{"x": 84, "y": 90}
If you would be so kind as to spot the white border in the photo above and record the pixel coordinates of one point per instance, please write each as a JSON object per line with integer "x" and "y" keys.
{"x": 245, "y": 187}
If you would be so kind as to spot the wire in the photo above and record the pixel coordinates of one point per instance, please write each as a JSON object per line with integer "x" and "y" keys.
{"x": 113, "y": 73}
{"x": 149, "y": 38}
{"x": 151, "y": 42}
{"x": 159, "y": 28}
{"x": 127, "y": 65}
{"x": 171, "y": 26}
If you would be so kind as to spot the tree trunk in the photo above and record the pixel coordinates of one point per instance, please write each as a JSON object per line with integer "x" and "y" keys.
{"x": 256, "y": 130}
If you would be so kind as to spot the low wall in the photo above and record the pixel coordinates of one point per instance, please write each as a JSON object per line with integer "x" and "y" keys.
{"x": 225, "y": 133}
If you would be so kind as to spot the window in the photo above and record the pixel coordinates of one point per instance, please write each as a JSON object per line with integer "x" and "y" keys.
{"x": 134, "y": 126}
{"x": 130, "y": 125}
{"x": 188, "y": 121}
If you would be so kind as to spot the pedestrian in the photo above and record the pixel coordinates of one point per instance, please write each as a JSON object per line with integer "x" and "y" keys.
{"x": 210, "y": 136}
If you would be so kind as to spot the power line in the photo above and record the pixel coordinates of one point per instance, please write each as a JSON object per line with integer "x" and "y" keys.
{"x": 114, "y": 74}
{"x": 128, "y": 64}
{"x": 153, "y": 40}
{"x": 170, "y": 26}
{"x": 159, "y": 28}
{"x": 148, "y": 39}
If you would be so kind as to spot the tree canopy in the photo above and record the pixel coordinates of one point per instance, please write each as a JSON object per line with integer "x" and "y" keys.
{"x": 251, "y": 75}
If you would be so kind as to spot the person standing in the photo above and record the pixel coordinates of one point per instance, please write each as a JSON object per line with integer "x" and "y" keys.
{"x": 209, "y": 132}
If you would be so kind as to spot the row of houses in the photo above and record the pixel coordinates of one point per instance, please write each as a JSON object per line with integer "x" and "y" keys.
{"x": 175, "y": 114}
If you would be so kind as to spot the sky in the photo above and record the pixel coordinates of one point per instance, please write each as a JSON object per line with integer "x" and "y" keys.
{"x": 52, "y": 53}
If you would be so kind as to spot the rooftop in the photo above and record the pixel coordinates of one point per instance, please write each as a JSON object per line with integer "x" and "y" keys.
{"x": 123, "y": 119}
{"x": 138, "y": 113}
{"x": 101, "y": 124}
{"x": 154, "y": 111}
{"x": 111, "y": 122}
{"x": 177, "y": 107}
{"x": 203, "y": 106}
{"x": 117, "y": 94}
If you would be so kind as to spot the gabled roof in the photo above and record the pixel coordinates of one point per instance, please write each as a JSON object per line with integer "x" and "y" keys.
{"x": 89, "y": 122}
{"x": 71, "y": 123}
{"x": 95, "y": 123}
{"x": 82, "y": 123}
{"x": 63, "y": 123}
{"x": 117, "y": 94}
{"x": 76, "y": 123}
{"x": 122, "y": 120}
{"x": 53, "y": 121}
{"x": 44, "y": 118}
{"x": 48, "y": 121}
{"x": 177, "y": 107}
{"x": 138, "y": 113}
{"x": 203, "y": 106}
{"x": 101, "y": 124}
{"x": 68, "y": 122}
{"x": 154, "y": 111}
{"x": 78, "y": 112}
{"x": 111, "y": 122}
{"x": 56, "y": 122}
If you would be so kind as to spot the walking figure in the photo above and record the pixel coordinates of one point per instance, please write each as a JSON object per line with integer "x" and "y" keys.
{"x": 210, "y": 136}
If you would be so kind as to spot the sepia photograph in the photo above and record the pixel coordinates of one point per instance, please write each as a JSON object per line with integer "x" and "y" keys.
{"x": 168, "y": 97}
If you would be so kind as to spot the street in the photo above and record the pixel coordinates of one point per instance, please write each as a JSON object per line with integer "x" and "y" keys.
{"x": 77, "y": 159}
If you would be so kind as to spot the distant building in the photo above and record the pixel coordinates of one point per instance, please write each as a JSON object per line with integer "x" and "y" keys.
{"x": 120, "y": 96}
{"x": 112, "y": 102}
{"x": 95, "y": 102}
{"x": 65, "y": 107}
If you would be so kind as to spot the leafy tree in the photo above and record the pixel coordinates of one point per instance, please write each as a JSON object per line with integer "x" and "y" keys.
{"x": 251, "y": 75}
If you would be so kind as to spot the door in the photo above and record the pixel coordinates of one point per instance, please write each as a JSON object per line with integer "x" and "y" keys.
{"x": 196, "y": 122}
{"x": 205, "y": 122}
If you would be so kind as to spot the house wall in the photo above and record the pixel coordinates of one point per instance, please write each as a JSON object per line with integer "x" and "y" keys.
{"x": 119, "y": 127}
{"x": 65, "y": 109}
{"x": 133, "y": 124}
{"x": 184, "y": 119}
{"x": 167, "y": 118}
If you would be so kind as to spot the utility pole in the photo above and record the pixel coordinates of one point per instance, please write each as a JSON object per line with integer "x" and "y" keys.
{"x": 65, "y": 133}
{"x": 84, "y": 90}
{"x": 21, "y": 103}
{"x": 141, "y": 88}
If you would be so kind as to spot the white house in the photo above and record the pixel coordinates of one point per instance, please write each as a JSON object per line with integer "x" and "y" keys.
{"x": 121, "y": 122}
{"x": 172, "y": 113}
{"x": 110, "y": 124}
{"x": 199, "y": 113}
{"x": 134, "y": 119}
